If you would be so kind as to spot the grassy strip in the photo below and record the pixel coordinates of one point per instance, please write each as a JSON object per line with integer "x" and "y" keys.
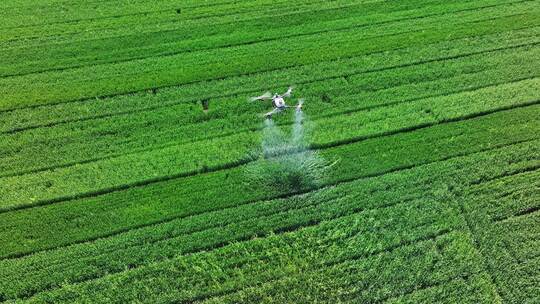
{"x": 38, "y": 88}
{"x": 92, "y": 140}
{"x": 78, "y": 220}
{"x": 208, "y": 155}
{"x": 23, "y": 61}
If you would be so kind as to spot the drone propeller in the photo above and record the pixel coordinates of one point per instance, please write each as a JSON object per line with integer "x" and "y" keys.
{"x": 288, "y": 93}
{"x": 265, "y": 96}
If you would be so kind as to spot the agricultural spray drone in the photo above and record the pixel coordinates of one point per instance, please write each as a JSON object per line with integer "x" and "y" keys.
{"x": 278, "y": 102}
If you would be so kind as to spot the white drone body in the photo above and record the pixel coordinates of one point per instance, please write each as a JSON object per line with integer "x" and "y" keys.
{"x": 278, "y": 102}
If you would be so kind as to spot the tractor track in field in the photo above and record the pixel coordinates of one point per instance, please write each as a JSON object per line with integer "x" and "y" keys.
{"x": 245, "y": 130}
{"x": 142, "y": 90}
{"x": 241, "y": 162}
{"x": 220, "y": 96}
{"x": 312, "y": 33}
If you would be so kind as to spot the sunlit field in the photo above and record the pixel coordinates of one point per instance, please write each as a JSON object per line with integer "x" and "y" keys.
{"x": 135, "y": 168}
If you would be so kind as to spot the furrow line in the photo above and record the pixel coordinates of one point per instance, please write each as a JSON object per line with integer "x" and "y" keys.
{"x": 311, "y": 81}
{"x": 250, "y": 159}
{"x": 327, "y": 264}
{"x": 86, "y": 99}
{"x": 246, "y": 130}
{"x": 525, "y": 212}
{"x": 226, "y": 46}
{"x": 281, "y": 196}
{"x": 142, "y": 13}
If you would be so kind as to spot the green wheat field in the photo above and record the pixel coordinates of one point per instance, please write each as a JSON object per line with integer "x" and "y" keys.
{"x": 116, "y": 186}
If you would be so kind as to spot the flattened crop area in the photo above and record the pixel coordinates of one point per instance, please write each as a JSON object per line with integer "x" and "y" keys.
{"x": 116, "y": 187}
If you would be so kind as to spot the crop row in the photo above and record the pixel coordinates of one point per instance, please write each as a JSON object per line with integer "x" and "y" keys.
{"x": 182, "y": 28}
{"x": 105, "y": 10}
{"x": 117, "y": 211}
{"x": 411, "y": 190}
{"x": 210, "y": 155}
{"x": 93, "y": 143}
{"x": 154, "y": 129}
{"x": 165, "y": 22}
{"x": 385, "y": 188}
{"x": 327, "y": 76}
{"x": 466, "y": 288}
{"x": 511, "y": 248}
{"x": 252, "y": 84}
{"x": 405, "y": 186}
{"x": 503, "y": 216}
{"x": 56, "y": 154}
{"x": 517, "y": 195}
{"x": 223, "y": 23}
{"x": 165, "y": 71}
{"x": 159, "y": 21}
{"x": 23, "y": 61}
{"x": 298, "y": 212}
{"x": 44, "y": 4}
{"x": 360, "y": 282}
{"x": 242, "y": 265}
